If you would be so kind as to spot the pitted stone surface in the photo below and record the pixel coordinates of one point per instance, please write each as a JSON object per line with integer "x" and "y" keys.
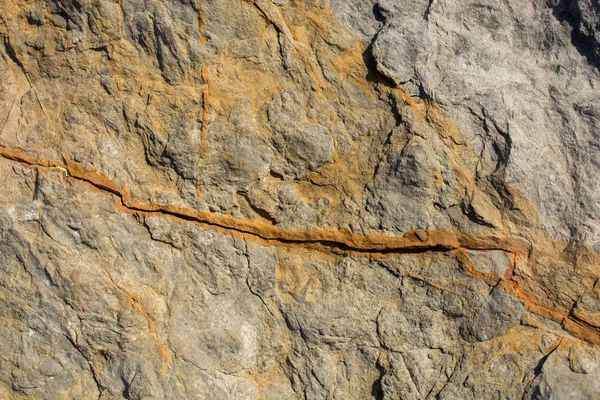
{"x": 277, "y": 199}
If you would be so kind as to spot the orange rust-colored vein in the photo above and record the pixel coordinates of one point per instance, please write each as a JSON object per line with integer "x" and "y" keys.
{"x": 438, "y": 240}
{"x": 343, "y": 242}
{"x": 577, "y": 327}
{"x": 570, "y": 323}
{"x": 201, "y": 24}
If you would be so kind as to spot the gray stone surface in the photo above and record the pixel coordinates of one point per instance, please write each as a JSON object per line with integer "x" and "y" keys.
{"x": 522, "y": 82}
{"x": 277, "y": 199}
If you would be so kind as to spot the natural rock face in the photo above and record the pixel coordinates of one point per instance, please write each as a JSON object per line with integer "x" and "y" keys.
{"x": 276, "y": 199}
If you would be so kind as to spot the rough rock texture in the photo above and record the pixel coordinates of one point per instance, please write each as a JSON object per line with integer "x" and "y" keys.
{"x": 281, "y": 199}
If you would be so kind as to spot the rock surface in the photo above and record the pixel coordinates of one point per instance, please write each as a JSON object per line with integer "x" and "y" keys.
{"x": 277, "y": 199}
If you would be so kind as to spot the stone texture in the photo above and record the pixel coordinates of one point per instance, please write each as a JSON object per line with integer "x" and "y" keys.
{"x": 285, "y": 199}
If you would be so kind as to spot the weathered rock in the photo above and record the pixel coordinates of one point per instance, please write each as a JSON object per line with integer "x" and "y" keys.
{"x": 283, "y": 199}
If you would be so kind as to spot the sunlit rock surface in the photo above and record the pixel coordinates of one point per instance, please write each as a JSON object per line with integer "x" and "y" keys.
{"x": 284, "y": 199}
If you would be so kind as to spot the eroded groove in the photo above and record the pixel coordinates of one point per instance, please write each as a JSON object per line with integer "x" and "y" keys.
{"x": 339, "y": 242}
{"x": 343, "y": 241}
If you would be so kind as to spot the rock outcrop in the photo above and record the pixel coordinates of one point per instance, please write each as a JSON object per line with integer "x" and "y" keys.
{"x": 276, "y": 199}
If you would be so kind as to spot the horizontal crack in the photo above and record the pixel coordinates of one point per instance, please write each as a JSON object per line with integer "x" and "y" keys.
{"x": 340, "y": 242}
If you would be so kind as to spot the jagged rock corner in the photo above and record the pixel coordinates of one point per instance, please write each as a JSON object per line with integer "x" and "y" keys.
{"x": 286, "y": 199}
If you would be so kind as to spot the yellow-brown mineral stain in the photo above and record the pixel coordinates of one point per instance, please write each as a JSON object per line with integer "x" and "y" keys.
{"x": 329, "y": 241}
